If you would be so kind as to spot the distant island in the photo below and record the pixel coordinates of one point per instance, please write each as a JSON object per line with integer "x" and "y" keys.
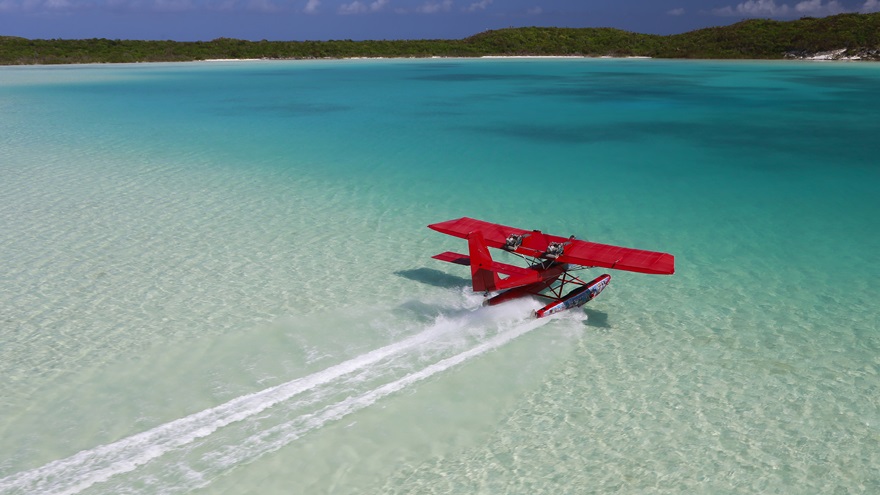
{"x": 843, "y": 36}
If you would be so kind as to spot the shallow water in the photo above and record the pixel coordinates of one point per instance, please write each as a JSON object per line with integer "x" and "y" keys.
{"x": 217, "y": 278}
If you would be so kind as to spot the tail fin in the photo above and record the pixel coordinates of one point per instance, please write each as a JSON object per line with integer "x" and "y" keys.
{"x": 483, "y": 278}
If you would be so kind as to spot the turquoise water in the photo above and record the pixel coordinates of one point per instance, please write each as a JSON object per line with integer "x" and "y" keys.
{"x": 217, "y": 278}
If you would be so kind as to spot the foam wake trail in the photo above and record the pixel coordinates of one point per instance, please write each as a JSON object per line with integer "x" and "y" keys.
{"x": 86, "y": 468}
{"x": 185, "y": 477}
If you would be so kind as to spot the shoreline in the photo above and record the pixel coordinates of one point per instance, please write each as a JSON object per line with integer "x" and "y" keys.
{"x": 825, "y": 56}
{"x": 524, "y": 57}
{"x": 822, "y": 57}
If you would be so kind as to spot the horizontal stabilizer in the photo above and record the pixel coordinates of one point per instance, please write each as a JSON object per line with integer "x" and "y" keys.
{"x": 458, "y": 258}
{"x": 494, "y": 266}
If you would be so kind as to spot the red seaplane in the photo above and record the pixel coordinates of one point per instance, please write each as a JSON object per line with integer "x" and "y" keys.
{"x": 550, "y": 260}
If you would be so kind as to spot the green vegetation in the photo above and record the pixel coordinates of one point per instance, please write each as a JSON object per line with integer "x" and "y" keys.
{"x": 859, "y": 34}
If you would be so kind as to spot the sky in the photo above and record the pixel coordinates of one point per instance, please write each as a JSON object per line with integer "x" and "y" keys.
{"x": 194, "y": 20}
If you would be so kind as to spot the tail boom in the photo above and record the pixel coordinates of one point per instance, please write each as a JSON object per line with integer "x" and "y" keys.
{"x": 485, "y": 271}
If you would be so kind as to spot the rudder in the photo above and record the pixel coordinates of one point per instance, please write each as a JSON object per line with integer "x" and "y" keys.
{"x": 482, "y": 277}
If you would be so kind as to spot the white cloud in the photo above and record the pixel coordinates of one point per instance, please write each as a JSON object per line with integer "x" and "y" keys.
{"x": 749, "y": 8}
{"x": 769, "y": 8}
{"x": 870, "y": 6}
{"x": 378, "y": 5}
{"x": 358, "y": 7}
{"x": 535, "y": 11}
{"x": 312, "y": 6}
{"x": 40, "y": 5}
{"x": 808, "y": 6}
{"x": 816, "y": 7}
{"x": 434, "y": 7}
{"x": 481, "y": 5}
{"x": 758, "y": 8}
{"x": 678, "y": 11}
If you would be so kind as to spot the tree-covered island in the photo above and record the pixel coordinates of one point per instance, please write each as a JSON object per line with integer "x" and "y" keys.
{"x": 853, "y": 36}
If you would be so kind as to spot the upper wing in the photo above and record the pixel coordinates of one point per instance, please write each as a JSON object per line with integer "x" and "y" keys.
{"x": 584, "y": 253}
{"x": 494, "y": 235}
{"x": 620, "y": 258}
